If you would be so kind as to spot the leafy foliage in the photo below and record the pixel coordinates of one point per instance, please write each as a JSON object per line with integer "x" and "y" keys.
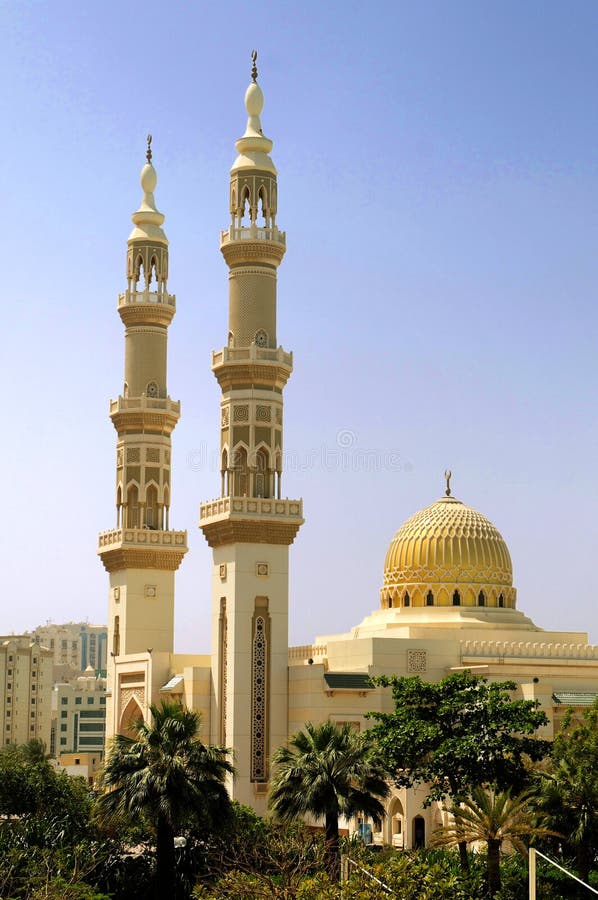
{"x": 568, "y": 792}
{"x": 457, "y": 734}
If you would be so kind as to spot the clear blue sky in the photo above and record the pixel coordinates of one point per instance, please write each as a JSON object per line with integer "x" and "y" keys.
{"x": 438, "y": 172}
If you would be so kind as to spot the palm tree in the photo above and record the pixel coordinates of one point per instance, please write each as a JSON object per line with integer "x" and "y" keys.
{"x": 327, "y": 771}
{"x": 492, "y": 817}
{"x": 568, "y": 795}
{"x": 167, "y": 773}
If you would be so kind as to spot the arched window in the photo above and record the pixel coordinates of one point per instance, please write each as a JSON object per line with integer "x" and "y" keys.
{"x": 389, "y": 601}
{"x": 429, "y": 599}
{"x": 240, "y": 485}
{"x": 116, "y": 636}
{"x": 261, "y": 474}
{"x": 406, "y": 599}
{"x": 481, "y": 599}
{"x": 231, "y": 339}
{"x": 501, "y": 600}
{"x": 456, "y": 598}
{"x": 153, "y": 272}
{"x": 151, "y": 507}
{"x": 133, "y": 507}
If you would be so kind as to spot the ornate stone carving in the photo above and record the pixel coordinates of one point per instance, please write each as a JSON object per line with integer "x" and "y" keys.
{"x": 417, "y": 661}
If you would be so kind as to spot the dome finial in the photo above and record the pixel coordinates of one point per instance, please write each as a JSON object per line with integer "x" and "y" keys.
{"x": 448, "y": 475}
{"x": 254, "y": 65}
{"x": 148, "y": 152}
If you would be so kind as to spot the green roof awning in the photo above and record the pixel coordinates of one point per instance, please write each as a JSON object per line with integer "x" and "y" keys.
{"x": 574, "y": 698}
{"x": 348, "y": 681}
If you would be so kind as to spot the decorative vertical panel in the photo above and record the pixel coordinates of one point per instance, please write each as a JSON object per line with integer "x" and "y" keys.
{"x": 223, "y": 644}
{"x": 259, "y": 697}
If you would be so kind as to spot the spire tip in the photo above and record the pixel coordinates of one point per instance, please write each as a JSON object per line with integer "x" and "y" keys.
{"x": 148, "y": 152}
{"x": 448, "y": 475}
{"x": 254, "y": 65}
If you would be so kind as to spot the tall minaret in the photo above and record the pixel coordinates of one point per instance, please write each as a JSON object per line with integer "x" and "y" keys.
{"x": 141, "y": 553}
{"x": 251, "y": 527}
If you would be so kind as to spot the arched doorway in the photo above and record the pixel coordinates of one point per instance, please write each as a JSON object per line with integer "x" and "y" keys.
{"x": 419, "y": 833}
{"x": 396, "y": 824}
{"x": 131, "y": 714}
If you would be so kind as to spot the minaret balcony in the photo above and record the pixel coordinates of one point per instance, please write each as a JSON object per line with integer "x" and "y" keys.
{"x": 147, "y": 297}
{"x": 260, "y": 366}
{"x": 138, "y": 414}
{"x": 141, "y": 548}
{"x": 252, "y": 233}
{"x": 258, "y": 520}
{"x": 253, "y": 353}
{"x": 133, "y": 404}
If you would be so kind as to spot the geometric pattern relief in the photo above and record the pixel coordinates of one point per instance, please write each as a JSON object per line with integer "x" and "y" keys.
{"x": 258, "y": 711}
{"x": 241, "y": 414}
{"x": 263, "y": 413}
{"x": 417, "y": 660}
{"x": 127, "y": 693}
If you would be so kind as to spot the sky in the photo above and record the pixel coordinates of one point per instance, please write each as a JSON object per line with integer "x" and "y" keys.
{"x": 438, "y": 185}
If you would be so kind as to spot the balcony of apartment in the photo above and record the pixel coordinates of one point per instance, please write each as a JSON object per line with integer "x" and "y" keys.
{"x": 253, "y": 233}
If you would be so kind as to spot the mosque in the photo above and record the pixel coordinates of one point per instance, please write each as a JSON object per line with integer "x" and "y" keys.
{"x": 447, "y": 600}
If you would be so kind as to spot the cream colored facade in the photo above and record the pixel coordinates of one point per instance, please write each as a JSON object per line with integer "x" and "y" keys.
{"x": 75, "y": 646}
{"x": 25, "y": 690}
{"x": 447, "y": 599}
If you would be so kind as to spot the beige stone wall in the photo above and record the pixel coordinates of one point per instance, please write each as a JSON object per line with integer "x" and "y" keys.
{"x": 25, "y": 691}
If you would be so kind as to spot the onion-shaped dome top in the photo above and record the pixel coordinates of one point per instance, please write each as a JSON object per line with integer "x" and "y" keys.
{"x": 448, "y": 542}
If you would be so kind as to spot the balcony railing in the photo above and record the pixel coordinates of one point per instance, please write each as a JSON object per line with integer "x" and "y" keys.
{"x": 253, "y": 353}
{"x": 253, "y": 233}
{"x": 130, "y": 298}
{"x": 146, "y": 536}
{"x": 251, "y": 507}
{"x": 125, "y": 404}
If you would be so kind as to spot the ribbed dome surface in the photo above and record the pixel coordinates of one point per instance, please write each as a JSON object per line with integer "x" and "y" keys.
{"x": 448, "y": 542}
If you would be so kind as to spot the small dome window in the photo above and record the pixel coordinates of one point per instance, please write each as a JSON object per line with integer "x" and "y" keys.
{"x": 501, "y": 600}
{"x": 152, "y": 389}
{"x": 456, "y": 598}
{"x": 390, "y": 602}
{"x": 429, "y": 599}
{"x": 481, "y": 599}
{"x": 406, "y": 599}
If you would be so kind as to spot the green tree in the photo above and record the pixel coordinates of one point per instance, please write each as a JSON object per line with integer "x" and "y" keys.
{"x": 166, "y": 773}
{"x": 328, "y": 771}
{"x": 457, "y": 734}
{"x": 568, "y": 791}
{"x": 491, "y": 817}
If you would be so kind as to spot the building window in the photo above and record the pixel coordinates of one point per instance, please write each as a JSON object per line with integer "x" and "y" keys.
{"x": 33, "y": 701}
{"x": 259, "y": 743}
{"x": 406, "y": 599}
{"x": 102, "y": 701}
{"x": 77, "y": 761}
{"x": 390, "y": 602}
{"x": 32, "y": 687}
{"x": 481, "y": 599}
{"x": 64, "y": 700}
{"x": 64, "y": 714}
{"x": 63, "y": 645}
{"x": 501, "y": 601}
{"x": 32, "y": 716}
{"x": 9, "y": 672}
{"x": 456, "y": 598}
{"x": 89, "y": 701}
{"x": 78, "y": 701}
{"x": 52, "y": 644}
{"x": 62, "y": 742}
{"x": 429, "y": 599}
{"x": 64, "y": 727}
{"x": 9, "y": 686}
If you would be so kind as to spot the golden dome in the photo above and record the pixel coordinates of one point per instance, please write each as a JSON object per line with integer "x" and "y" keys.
{"x": 449, "y": 544}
